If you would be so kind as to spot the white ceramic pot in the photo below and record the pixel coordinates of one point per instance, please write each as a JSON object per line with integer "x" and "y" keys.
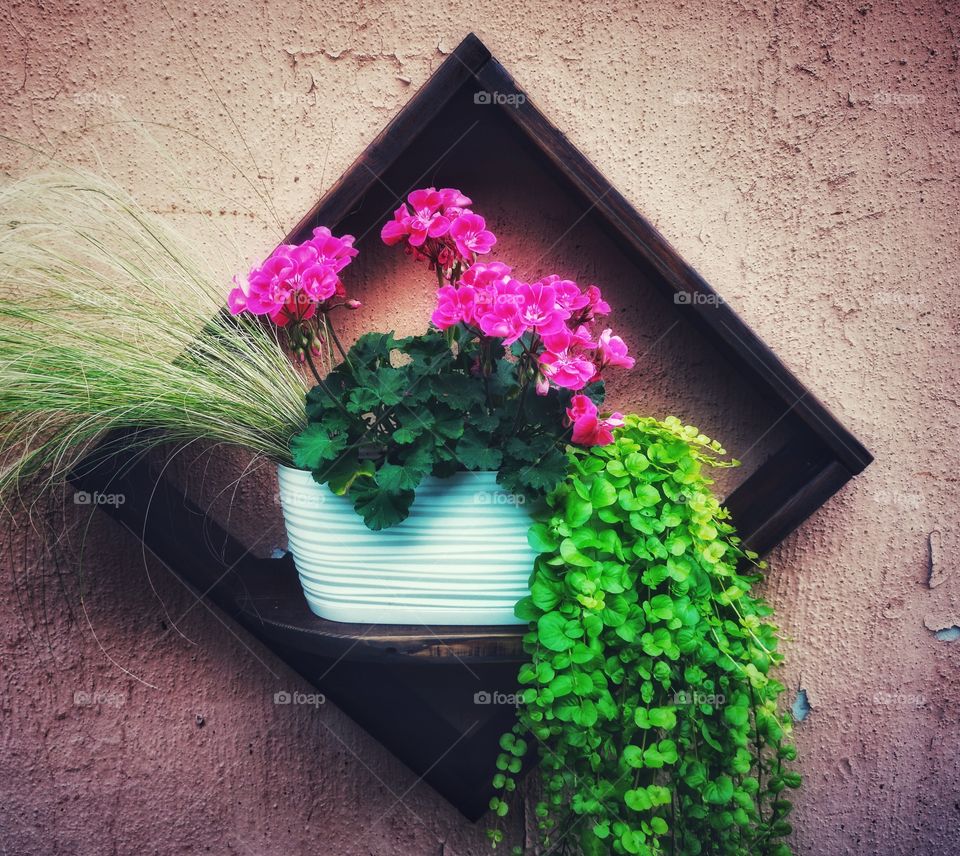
{"x": 461, "y": 557}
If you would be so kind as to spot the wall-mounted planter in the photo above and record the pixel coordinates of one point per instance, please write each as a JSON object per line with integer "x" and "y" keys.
{"x": 425, "y": 690}
{"x": 461, "y": 557}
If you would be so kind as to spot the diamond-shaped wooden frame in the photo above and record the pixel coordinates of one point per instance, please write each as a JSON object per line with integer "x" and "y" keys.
{"x": 414, "y": 687}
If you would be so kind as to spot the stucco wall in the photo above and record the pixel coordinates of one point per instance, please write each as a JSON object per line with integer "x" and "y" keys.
{"x": 802, "y": 156}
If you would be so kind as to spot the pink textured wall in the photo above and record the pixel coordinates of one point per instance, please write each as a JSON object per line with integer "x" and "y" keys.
{"x": 802, "y": 156}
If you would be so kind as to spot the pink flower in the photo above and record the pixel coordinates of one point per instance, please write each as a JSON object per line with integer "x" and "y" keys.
{"x": 539, "y": 310}
{"x": 398, "y": 229}
{"x": 503, "y": 321}
{"x": 588, "y": 428}
{"x": 452, "y": 198}
{"x": 427, "y": 220}
{"x": 482, "y": 274}
{"x": 294, "y": 279}
{"x": 237, "y": 298}
{"x": 598, "y": 306}
{"x": 471, "y": 236}
{"x": 335, "y": 253}
{"x": 566, "y": 339}
{"x": 567, "y": 370}
{"x": 613, "y": 351}
{"x": 453, "y": 306}
{"x": 318, "y": 282}
{"x": 569, "y": 296}
{"x": 580, "y": 406}
{"x": 296, "y": 308}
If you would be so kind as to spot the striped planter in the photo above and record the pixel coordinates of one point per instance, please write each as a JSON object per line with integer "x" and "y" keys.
{"x": 461, "y": 557}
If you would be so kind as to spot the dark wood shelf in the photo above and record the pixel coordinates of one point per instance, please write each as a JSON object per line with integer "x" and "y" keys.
{"x": 267, "y": 595}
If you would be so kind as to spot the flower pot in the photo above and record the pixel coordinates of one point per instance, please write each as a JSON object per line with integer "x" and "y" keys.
{"x": 461, "y": 557}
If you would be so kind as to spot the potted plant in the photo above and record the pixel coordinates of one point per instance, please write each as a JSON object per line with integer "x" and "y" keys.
{"x": 471, "y": 419}
{"x": 649, "y": 695}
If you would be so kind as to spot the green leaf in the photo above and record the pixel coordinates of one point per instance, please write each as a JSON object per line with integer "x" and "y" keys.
{"x": 550, "y": 632}
{"x": 395, "y": 478}
{"x": 738, "y": 716}
{"x": 342, "y": 474}
{"x": 635, "y": 463}
{"x": 313, "y": 446}
{"x": 638, "y": 799}
{"x": 602, "y": 493}
{"x": 658, "y": 825}
{"x": 577, "y": 511}
{"x": 663, "y": 717}
{"x": 546, "y": 473}
{"x": 383, "y": 508}
{"x": 572, "y": 556}
{"x": 648, "y": 496}
{"x": 474, "y": 452}
{"x": 719, "y": 791}
{"x": 448, "y": 424}
{"x": 541, "y": 539}
{"x": 544, "y": 596}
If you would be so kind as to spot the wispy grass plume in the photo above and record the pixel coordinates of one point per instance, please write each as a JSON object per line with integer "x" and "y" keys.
{"x": 110, "y": 320}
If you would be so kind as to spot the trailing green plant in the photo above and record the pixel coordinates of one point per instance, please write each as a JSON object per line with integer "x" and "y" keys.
{"x": 648, "y": 697}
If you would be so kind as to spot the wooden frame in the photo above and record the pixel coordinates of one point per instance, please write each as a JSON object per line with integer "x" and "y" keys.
{"x": 363, "y": 668}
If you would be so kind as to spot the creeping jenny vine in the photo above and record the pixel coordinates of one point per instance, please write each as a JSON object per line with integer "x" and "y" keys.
{"x": 648, "y": 694}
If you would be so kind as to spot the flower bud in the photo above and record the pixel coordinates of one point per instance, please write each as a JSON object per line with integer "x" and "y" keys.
{"x": 353, "y": 304}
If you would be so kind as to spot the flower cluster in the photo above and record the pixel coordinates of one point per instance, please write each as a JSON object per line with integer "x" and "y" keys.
{"x": 550, "y": 318}
{"x": 555, "y": 313}
{"x": 439, "y": 226}
{"x": 296, "y": 279}
{"x": 588, "y": 428}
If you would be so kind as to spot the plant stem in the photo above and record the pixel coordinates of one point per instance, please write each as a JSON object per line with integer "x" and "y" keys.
{"x": 336, "y": 340}
{"x": 324, "y": 387}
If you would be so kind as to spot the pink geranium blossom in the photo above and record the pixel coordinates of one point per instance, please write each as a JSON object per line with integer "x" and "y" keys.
{"x": 598, "y": 306}
{"x": 588, "y": 428}
{"x": 569, "y": 295}
{"x": 482, "y": 274}
{"x": 567, "y": 339}
{"x": 567, "y": 370}
{"x": 613, "y": 351}
{"x": 427, "y": 220}
{"x": 398, "y": 229}
{"x": 503, "y": 321}
{"x": 539, "y": 310}
{"x": 453, "y": 306}
{"x": 295, "y": 279}
{"x": 470, "y": 234}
